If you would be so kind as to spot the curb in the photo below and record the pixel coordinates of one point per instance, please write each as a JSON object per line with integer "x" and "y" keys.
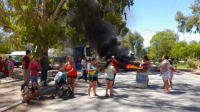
{"x": 192, "y": 75}
{"x": 20, "y": 102}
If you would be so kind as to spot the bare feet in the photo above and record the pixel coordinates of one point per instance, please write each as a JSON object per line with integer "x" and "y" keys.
{"x": 162, "y": 87}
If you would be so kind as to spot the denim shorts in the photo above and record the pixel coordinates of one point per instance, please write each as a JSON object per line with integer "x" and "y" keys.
{"x": 110, "y": 79}
{"x": 10, "y": 67}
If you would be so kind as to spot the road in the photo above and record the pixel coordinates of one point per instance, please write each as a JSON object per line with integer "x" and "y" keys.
{"x": 185, "y": 97}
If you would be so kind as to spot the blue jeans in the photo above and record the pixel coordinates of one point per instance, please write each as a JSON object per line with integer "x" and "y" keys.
{"x": 84, "y": 75}
{"x": 44, "y": 75}
{"x": 34, "y": 78}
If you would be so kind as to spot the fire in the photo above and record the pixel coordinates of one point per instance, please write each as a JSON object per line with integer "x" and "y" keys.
{"x": 131, "y": 66}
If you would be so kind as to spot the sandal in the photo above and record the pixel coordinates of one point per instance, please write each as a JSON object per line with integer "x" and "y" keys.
{"x": 89, "y": 97}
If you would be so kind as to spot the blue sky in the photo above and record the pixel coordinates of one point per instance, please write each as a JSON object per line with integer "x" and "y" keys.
{"x": 158, "y": 15}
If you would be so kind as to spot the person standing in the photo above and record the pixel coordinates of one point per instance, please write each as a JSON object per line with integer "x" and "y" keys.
{"x": 71, "y": 73}
{"x": 34, "y": 69}
{"x": 84, "y": 68}
{"x": 11, "y": 66}
{"x": 44, "y": 62}
{"x": 1, "y": 65}
{"x": 114, "y": 63}
{"x": 25, "y": 63}
{"x": 165, "y": 72}
{"x": 92, "y": 74}
{"x": 145, "y": 64}
{"x": 109, "y": 73}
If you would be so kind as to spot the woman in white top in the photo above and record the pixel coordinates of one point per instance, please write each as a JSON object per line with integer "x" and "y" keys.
{"x": 109, "y": 73}
{"x": 165, "y": 72}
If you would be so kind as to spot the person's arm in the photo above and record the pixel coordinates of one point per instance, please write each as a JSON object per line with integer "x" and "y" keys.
{"x": 140, "y": 65}
{"x": 41, "y": 62}
{"x": 148, "y": 64}
{"x": 82, "y": 64}
{"x": 63, "y": 68}
{"x": 40, "y": 66}
{"x": 163, "y": 68}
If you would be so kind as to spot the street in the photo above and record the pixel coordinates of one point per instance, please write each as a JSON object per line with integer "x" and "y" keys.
{"x": 184, "y": 97}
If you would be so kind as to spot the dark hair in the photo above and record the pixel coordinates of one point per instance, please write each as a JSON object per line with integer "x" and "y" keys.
{"x": 0, "y": 57}
{"x": 166, "y": 56}
{"x": 107, "y": 63}
{"x": 83, "y": 57}
{"x": 23, "y": 85}
{"x": 171, "y": 63}
{"x": 10, "y": 56}
{"x": 60, "y": 62}
{"x": 34, "y": 56}
{"x": 146, "y": 57}
{"x": 28, "y": 51}
{"x": 92, "y": 59}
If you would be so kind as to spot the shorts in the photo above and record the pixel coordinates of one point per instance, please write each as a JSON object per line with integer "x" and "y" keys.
{"x": 72, "y": 77}
{"x": 91, "y": 79}
{"x": 110, "y": 79}
{"x": 165, "y": 76}
{"x": 10, "y": 67}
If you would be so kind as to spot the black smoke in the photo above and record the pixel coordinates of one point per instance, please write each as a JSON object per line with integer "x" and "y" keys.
{"x": 104, "y": 36}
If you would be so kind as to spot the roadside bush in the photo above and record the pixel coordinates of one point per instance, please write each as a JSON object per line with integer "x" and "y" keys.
{"x": 193, "y": 63}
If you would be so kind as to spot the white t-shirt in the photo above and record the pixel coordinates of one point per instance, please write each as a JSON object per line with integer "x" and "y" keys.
{"x": 84, "y": 63}
{"x": 109, "y": 71}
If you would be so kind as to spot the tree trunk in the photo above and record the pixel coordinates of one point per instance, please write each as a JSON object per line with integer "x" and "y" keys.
{"x": 44, "y": 11}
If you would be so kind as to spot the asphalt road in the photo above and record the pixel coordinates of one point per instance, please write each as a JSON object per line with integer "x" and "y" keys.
{"x": 185, "y": 97}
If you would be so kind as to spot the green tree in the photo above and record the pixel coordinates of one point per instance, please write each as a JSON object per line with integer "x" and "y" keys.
{"x": 190, "y": 22}
{"x": 180, "y": 50}
{"x": 135, "y": 42}
{"x": 167, "y": 39}
{"x": 34, "y": 21}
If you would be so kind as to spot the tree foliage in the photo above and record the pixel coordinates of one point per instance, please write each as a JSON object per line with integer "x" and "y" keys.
{"x": 135, "y": 42}
{"x": 190, "y": 23}
{"x": 164, "y": 41}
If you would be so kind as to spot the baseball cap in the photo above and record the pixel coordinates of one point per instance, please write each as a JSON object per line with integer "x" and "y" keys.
{"x": 45, "y": 53}
{"x": 112, "y": 56}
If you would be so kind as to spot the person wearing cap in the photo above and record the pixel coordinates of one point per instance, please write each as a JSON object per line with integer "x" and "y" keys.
{"x": 114, "y": 63}
{"x": 44, "y": 62}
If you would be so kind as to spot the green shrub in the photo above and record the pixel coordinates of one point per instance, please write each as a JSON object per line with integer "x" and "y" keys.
{"x": 193, "y": 63}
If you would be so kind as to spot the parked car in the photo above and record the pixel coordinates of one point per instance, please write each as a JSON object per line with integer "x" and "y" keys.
{"x": 17, "y": 63}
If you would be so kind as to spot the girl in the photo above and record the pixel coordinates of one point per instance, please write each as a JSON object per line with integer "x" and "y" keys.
{"x": 92, "y": 74}
{"x": 109, "y": 73}
{"x": 35, "y": 91}
{"x": 26, "y": 95}
{"x": 145, "y": 64}
{"x": 11, "y": 66}
{"x": 165, "y": 72}
{"x": 34, "y": 67}
{"x": 171, "y": 74}
{"x": 71, "y": 72}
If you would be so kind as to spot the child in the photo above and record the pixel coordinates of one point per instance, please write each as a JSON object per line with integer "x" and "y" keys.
{"x": 26, "y": 95}
{"x": 109, "y": 72}
{"x": 171, "y": 75}
{"x": 35, "y": 91}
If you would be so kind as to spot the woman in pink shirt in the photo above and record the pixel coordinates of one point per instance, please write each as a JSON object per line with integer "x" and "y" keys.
{"x": 34, "y": 67}
{"x": 11, "y": 66}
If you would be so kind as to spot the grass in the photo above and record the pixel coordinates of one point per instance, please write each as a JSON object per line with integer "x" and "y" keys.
{"x": 181, "y": 65}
